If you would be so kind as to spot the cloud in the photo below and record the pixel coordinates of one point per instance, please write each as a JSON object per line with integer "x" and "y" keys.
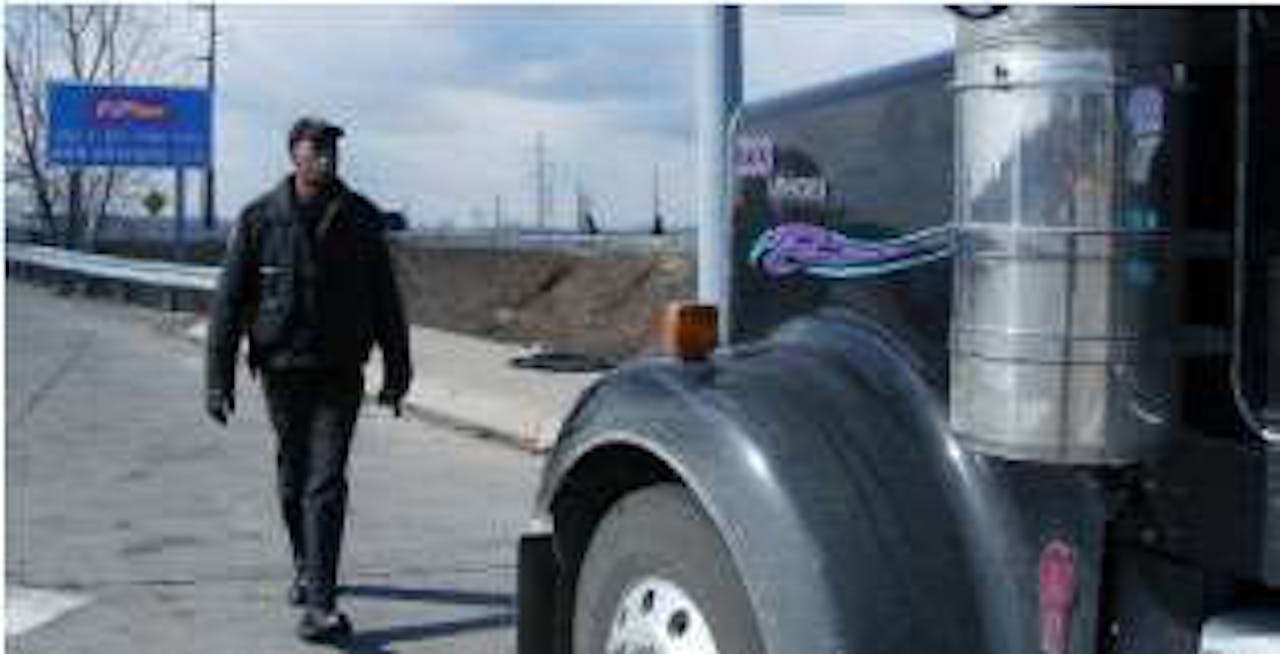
{"x": 443, "y": 104}
{"x": 582, "y": 53}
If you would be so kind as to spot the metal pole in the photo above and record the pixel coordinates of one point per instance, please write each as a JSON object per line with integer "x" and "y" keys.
{"x": 656, "y": 227}
{"x": 579, "y": 209}
{"x": 541, "y": 177}
{"x": 550, "y": 216}
{"x": 179, "y": 214}
{"x": 722, "y": 95}
{"x": 211, "y": 83}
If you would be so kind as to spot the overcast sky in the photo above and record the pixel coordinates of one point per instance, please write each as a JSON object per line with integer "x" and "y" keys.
{"x": 443, "y": 104}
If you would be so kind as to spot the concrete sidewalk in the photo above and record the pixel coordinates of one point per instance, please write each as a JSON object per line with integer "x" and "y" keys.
{"x": 469, "y": 381}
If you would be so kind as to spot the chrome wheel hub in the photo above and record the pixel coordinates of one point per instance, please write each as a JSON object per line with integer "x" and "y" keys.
{"x": 656, "y": 616}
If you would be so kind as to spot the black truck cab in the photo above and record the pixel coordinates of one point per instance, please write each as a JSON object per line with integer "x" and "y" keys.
{"x": 1003, "y": 370}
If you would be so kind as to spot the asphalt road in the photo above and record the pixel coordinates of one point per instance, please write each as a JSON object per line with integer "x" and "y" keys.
{"x": 134, "y": 524}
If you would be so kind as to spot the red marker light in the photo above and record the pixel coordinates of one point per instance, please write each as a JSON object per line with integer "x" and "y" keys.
{"x": 1057, "y": 595}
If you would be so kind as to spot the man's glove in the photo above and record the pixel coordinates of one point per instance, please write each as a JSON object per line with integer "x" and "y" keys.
{"x": 395, "y": 384}
{"x": 391, "y": 398}
{"x": 219, "y": 404}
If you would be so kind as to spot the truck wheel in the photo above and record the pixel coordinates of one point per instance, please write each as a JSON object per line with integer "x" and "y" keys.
{"x": 657, "y": 578}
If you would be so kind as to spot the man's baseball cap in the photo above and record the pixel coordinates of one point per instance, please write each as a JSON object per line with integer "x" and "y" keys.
{"x": 314, "y": 129}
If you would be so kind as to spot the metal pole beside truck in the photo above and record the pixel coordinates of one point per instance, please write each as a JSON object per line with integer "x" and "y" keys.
{"x": 722, "y": 95}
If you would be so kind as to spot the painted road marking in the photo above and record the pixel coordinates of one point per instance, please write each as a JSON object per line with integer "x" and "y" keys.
{"x": 28, "y": 608}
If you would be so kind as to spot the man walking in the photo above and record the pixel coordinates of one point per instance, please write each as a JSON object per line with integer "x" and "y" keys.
{"x": 307, "y": 276}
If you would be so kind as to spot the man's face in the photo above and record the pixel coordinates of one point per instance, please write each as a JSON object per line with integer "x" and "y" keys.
{"x": 316, "y": 162}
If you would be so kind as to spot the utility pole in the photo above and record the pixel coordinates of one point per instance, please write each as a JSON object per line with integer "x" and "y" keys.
{"x": 211, "y": 85}
{"x": 550, "y": 214}
{"x": 497, "y": 213}
{"x": 580, "y": 210}
{"x": 540, "y": 173}
{"x": 657, "y": 204}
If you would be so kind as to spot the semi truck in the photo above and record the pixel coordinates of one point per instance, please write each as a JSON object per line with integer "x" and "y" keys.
{"x": 1000, "y": 368}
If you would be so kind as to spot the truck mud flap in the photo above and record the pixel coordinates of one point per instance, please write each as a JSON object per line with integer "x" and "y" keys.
{"x": 535, "y": 595}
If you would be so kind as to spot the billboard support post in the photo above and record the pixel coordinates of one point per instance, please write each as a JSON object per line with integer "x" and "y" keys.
{"x": 179, "y": 214}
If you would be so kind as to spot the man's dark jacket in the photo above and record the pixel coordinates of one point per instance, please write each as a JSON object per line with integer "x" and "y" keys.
{"x": 271, "y": 264}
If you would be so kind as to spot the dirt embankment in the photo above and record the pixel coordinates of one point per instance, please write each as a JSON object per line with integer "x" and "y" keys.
{"x": 598, "y": 304}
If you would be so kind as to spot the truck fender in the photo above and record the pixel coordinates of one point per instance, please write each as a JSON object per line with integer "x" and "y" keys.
{"x": 824, "y": 460}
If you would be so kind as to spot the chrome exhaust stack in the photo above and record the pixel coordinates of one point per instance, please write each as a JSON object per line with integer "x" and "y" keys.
{"x": 1062, "y": 307}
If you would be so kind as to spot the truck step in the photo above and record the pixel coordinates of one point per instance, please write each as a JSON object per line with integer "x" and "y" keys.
{"x": 1244, "y": 631}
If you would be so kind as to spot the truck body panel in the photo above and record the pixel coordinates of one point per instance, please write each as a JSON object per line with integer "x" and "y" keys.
{"x": 843, "y": 473}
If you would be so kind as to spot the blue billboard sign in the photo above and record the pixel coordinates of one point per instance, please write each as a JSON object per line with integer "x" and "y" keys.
{"x": 128, "y": 125}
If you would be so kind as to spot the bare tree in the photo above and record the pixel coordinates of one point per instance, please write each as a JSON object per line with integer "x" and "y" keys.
{"x": 24, "y": 152}
{"x": 81, "y": 43}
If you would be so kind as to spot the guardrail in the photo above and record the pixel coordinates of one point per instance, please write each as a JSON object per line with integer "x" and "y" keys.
{"x": 177, "y": 276}
{"x": 685, "y": 240}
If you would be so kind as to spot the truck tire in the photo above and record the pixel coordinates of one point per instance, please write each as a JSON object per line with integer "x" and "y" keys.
{"x": 658, "y": 578}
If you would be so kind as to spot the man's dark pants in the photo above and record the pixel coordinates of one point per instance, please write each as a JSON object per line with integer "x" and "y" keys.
{"x": 314, "y": 414}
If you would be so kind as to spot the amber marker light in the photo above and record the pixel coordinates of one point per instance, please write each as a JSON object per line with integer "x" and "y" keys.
{"x": 688, "y": 330}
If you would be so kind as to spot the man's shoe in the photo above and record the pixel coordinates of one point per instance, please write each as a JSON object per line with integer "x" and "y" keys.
{"x": 297, "y": 591}
{"x": 321, "y": 626}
